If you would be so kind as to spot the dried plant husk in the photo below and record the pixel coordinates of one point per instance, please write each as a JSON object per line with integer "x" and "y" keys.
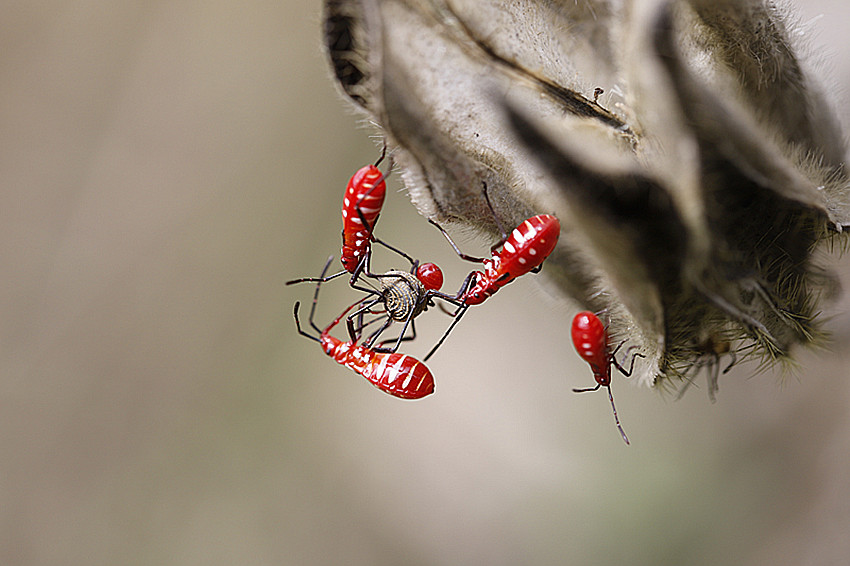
{"x": 694, "y": 191}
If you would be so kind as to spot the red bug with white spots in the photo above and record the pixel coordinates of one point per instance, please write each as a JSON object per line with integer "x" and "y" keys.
{"x": 399, "y": 375}
{"x": 523, "y": 251}
{"x": 403, "y": 296}
{"x": 590, "y": 339}
{"x": 361, "y": 205}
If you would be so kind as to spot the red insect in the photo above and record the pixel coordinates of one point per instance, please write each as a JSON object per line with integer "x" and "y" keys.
{"x": 402, "y": 297}
{"x": 523, "y": 251}
{"x": 399, "y": 375}
{"x": 361, "y": 205}
{"x": 590, "y": 339}
{"x": 399, "y": 296}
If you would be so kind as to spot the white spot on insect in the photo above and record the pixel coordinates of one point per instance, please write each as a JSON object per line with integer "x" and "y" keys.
{"x": 395, "y": 369}
{"x": 358, "y": 243}
{"x": 532, "y": 251}
{"x": 517, "y": 235}
{"x": 421, "y": 380}
{"x": 382, "y": 370}
{"x": 522, "y": 260}
{"x": 510, "y": 247}
{"x": 530, "y": 227}
{"x": 344, "y": 213}
{"x": 409, "y": 375}
{"x": 345, "y": 201}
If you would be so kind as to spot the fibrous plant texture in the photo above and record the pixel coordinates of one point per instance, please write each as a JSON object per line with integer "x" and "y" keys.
{"x": 695, "y": 167}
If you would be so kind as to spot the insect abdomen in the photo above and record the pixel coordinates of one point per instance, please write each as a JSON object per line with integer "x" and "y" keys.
{"x": 400, "y": 375}
{"x": 590, "y": 340}
{"x": 529, "y": 245}
{"x": 366, "y": 190}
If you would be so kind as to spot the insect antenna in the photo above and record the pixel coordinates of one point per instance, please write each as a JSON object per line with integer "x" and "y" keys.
{"x": 313, "y": 279}
{"x": 495, "y": 216}
{"x": 383, "y": 154}
{"x": 454, "y": 246}
{"x": 616, "y": 418}
{"x": 613, "y": 408}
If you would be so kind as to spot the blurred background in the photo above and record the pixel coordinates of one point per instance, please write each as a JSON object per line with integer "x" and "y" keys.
{"x": 165, "y": 168}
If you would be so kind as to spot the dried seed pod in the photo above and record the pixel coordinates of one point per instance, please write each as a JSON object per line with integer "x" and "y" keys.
{"x": 692, "y": 193}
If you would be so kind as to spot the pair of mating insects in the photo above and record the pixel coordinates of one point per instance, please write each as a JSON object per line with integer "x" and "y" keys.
{"x": 404, "y": 295}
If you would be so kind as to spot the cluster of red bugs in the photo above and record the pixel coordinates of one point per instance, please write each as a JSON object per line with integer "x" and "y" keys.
{"x": 401, "y": 296}
{"x": 397, "y": 374}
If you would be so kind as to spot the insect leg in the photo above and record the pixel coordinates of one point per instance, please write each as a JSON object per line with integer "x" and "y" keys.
{"x": 456, "y": 299}
{"x": 454, "y": 246}
{"x": 354, "y": 331}
{"x": 713, "y": 375}
{"x": 401, "y": 338}
{"x": 298, "y": 324}
{"x": 631, "y": 365}
{"x": 316, "y": 295}
{"x": 458, "y": 315}
{"x": 371, "y": 340}
{"x": 688, "y": 382}
{"x": 585, "y": 390}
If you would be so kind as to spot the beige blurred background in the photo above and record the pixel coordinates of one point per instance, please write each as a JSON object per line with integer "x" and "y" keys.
{"x": 165, "y": 167}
